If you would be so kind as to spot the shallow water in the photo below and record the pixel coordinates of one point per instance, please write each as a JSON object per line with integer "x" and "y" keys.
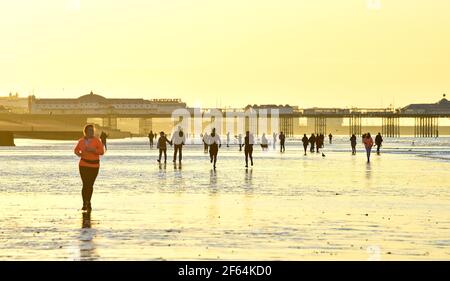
{"x": 287, "y": 207}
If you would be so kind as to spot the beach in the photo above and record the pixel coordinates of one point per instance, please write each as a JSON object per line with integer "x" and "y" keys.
{"x": 286, "y": 207}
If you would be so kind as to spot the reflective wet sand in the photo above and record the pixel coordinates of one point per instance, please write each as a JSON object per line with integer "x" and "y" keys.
{"x": 287, "y": 207}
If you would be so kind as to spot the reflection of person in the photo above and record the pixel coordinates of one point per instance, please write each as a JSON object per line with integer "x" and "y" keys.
{"x": 161, "y": 145}
{"x": 89, "y": 149}
{"x": 248, "y": 148}
{"x": 178, "y": 139}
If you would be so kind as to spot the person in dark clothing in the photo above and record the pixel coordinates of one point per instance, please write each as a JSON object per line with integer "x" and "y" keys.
{"x": 178, "y": 139}
{"x": 240, "y": 142}
{"x": 353, "y": 144}
{"x": 378, "y": 142}
{"x": 330, "y": 137}
{"x": 248, "y": 148}
{"x": 312, "y": 141}
{"x": 103, "y": 137}
{"x": 318, "y": 145}
{"x": 305, "y": 142}
{"x": 150, "y": 138}
{"x": 162, "y": 146}
{"x": 214, "y": 145}
{"x": 282, "y": 138}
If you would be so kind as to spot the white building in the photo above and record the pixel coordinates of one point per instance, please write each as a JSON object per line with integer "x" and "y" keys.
{"x": 96, "y": 104}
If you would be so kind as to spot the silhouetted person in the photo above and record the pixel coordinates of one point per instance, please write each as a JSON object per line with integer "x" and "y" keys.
{"x": 240, "y": 142}
{"x": 368, "y": 143}
{"x": 228, "y": 139}
{"x": 214, "y": 145}
{"x": 305, "y": 142}
{"x": 274, "y": 135}
{"x": 282, "y": 138}
{"x": 103, "y": 137}
{"x": 205, "y": 142}
{"x": 248, "y": 148}
{"x": 264, "y": 142}
{"x": 178, "y": 140}
{"x": 378, "y": 142}
{"x": 161, "y": 145}
{"x": 330, "y": 137}
{"x": 312, "y": 141}
{"x": 150, "y": 138}
{"x": 318, "y": 143}
{"x": 89, "y": 149}
{"x": 353, "y": 144}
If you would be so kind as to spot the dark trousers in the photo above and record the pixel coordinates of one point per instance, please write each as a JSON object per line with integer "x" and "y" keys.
{"x": 178, "y": 150}
{"x": 378, "y": 148}
{"x": 282, "y": 148}
{"x": 305, "y": 147}
{"x": 248, "y": 150}
{"x": 312, "y": 147}
{"x": 88, "y": 176}
{"x": 161, "y": 151}
{"x": 353, "y": 149}
{"x": 213, "y": 151}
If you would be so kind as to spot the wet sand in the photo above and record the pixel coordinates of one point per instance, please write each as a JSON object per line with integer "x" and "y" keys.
{"x": 287, "y": 207}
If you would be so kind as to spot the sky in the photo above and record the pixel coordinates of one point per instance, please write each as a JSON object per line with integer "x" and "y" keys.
{"x": 229, "y": 53}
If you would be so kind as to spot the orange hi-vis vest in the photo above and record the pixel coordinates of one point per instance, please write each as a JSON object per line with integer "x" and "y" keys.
{"x": 90, "y": 159}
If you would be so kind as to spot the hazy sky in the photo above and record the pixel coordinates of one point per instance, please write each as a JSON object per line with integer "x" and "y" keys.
{"x": 230, "y": 52}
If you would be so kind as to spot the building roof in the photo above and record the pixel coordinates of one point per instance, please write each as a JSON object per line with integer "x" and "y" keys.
{"x": 440, "y": 106}
{"x": 94, "y": 98}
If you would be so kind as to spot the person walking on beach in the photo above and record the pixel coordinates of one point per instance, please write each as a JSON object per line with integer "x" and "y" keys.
{"x": 318, "y": 145}
{"x": 312, "y": 141}
{"x": 150, "y": 138}
{"x": 89, "y": 149}
{"x": 103, "y": 137}
{"x": 330, "y": 137}
{"x": 228, "y": 139}
{"x": 214, "y": 145}
{"x": 353, "y": 144}
{"x": 205, "y": 142}
{"x": 178, "y": 139}
{"x": 378, "y": 142}
{"x": 368, "y": 144}
{"x": 305, "y": 142}
{"x": 240, "y": 142}
{"x": 264, "y": 142}
{"x": 274, "y": 135}
{"x": 161, "y": 145}
{"x": 282, "y": 138}
{"x": 248, "y": 148}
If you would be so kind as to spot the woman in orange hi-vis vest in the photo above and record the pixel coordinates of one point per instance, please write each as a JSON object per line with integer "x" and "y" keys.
{"x": 89, "y": 149}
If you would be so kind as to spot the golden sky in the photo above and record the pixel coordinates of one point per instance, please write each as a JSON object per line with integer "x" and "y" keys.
{"x": 230, "y": 52}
